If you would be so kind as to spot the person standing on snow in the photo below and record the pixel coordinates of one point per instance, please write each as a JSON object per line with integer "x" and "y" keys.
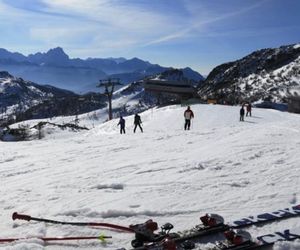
{"x": 188, "y": 115}
{"x": 122, "y": 125}
{"x": 137, "y": 122}
{"x": 242, "y": 113}
{"x": 249, "y": 108}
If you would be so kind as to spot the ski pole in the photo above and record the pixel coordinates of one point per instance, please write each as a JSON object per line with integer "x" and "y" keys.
{"x": 100, "y": 237}
{"x": 108, "y": 225}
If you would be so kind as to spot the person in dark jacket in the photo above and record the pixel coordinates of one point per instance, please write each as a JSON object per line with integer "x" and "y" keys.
{"x": 137, "y": 122}
{"x": 122, "y": 125}
{"x": 188, "y": 115}
{"x": 248, "y": 108}
{"x": 242, "y": 113}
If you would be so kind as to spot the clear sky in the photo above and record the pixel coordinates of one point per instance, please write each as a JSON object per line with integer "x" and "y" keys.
{"x": 200, "y": 34}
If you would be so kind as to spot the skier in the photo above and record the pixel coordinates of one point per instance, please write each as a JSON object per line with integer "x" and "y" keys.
{"x": 122, "y": 125}
{"x": 188, "y": 115}
{"x": 137, "y": 122}
{"x": 249, "y": 108}
{"x": 242, "y": 113}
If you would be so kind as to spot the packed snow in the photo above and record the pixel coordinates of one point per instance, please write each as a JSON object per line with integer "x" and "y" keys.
{"x": 167, "y": 174}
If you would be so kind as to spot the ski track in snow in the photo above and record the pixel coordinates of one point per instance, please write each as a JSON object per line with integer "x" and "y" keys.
{"x": 170, "y": 175}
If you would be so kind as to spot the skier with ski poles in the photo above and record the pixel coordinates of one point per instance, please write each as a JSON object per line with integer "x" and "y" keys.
{"x": 137, "y": 122}
{"x": 188, "y": 115}
{"x": 122, "y": 125}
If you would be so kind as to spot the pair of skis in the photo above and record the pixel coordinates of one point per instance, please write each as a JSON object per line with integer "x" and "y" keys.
{"x": 185, "y": 241}
{"x": 260, "y": 242}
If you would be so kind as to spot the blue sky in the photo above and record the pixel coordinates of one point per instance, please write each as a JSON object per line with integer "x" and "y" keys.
{"x": 200, "y": 34}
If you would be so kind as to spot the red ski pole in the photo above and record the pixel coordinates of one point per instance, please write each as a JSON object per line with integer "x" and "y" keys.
{"x": 16, "y": 216}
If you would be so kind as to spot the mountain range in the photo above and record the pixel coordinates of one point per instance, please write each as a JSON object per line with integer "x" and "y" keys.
{"x": 271, "y": 75}
{"x": 56, "y": 68}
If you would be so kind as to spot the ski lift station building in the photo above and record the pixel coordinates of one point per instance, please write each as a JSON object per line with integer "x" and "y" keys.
{"x": 168, "y": 86}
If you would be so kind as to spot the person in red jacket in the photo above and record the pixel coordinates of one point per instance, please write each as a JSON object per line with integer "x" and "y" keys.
{"x": 188, "y": 115}
{"x": 249, "y": 108}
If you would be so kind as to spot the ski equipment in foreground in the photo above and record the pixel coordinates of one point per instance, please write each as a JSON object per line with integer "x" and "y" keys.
{"x": 16, "y": 216}
{"x": 236, "y": 239}
{"x": 100, "y": 237}
{"x": 211, "y": 223}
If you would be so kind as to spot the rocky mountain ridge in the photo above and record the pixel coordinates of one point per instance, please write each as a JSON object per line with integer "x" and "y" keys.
{"x": 264, "y": 75}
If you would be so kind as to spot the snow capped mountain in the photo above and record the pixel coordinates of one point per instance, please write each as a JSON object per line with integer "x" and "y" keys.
{"x": 16, "y": 90}
{"x": 166, "y": 174}
{"x": 16, "y": 93}
{"x": 185, "y": 75}
{"x": 266, "y": 74}
{"x": 180, "y": 76}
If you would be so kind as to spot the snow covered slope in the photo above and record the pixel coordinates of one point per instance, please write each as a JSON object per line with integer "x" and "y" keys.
{"x": 170, "y": 175}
